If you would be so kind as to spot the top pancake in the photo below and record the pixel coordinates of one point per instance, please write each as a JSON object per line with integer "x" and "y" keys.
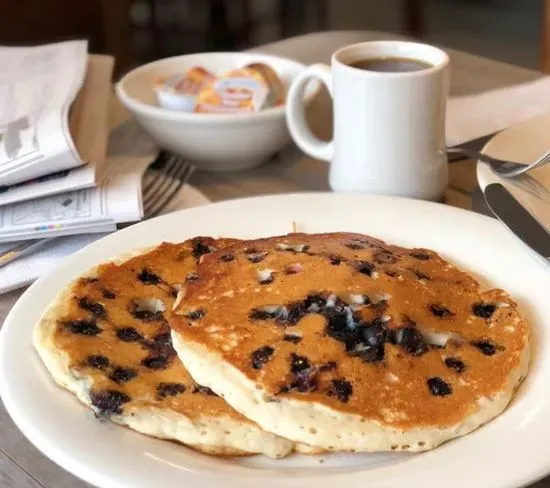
{"x": 106, "y": 338}
{"x": 383, "y": 347}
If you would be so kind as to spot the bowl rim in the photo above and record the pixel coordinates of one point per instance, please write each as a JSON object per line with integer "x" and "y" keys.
{"x": 157, "y": 112}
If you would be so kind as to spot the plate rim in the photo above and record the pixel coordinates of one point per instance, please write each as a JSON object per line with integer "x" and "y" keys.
{"x": 481, "y": 167}
{"x": 98, "y": 478}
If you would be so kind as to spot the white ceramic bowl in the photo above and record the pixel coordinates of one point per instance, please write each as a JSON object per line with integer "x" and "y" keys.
{"x": 215, "y": 142}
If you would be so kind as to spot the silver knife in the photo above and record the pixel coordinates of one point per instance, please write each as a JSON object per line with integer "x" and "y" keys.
{"x": 517, "y": 218}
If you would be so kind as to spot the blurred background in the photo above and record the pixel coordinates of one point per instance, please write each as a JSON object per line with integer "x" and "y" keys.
{"x": 137, "y": 31}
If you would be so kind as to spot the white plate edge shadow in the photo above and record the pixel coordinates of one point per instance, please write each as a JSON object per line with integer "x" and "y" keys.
{"x": 417, "y": 469}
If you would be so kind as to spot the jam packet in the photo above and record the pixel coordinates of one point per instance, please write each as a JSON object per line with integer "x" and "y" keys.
{"x": 179, "y": 92}
{"x": 239, "y": 90}
{"x": 276, "y": 85}
{"x": 250, "y": 89}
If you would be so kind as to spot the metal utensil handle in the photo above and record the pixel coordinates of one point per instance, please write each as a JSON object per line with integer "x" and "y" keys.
{"x": 22, "y": 249}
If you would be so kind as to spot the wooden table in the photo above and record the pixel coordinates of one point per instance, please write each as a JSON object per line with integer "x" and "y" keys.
{"x": 21, "y": 465}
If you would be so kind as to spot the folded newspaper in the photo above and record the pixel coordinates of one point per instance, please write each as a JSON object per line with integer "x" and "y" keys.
{"x": 37, "y": 87}
{"x": 54, "y": 126}
{"x": 116, "y": 199}
{"x": 54, "y": 119}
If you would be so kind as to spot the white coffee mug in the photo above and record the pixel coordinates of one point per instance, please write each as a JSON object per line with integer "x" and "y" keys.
{"x": 389, "y": 127}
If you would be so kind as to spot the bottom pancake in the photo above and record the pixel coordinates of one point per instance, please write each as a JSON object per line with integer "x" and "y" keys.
{"x": 105, "y": 339}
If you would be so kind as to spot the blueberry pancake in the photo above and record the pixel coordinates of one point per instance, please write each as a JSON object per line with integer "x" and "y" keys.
{"x": 105, "y": 338}
{"x": 346, "y": 343}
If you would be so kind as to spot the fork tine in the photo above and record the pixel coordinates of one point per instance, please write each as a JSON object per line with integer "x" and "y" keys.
{"x": 165, "y": 182}
{"x": 154, "y": 208}
{"x": 159, "y": 175}
{"x": 524, "y": 169}
{"x": 160, "y": 198}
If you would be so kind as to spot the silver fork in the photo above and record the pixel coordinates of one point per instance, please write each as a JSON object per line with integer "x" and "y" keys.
{"x": 171, "y": 172}
{"x": 504, "y": 168}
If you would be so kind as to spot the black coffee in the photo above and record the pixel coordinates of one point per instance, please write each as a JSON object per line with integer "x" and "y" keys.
{"x": 391, "y": 65}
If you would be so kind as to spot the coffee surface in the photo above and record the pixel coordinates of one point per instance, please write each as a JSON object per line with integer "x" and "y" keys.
{"x": 390, "y": 65}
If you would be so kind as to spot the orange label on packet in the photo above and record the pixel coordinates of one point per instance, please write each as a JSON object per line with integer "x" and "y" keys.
{"x": 189, "y": 84}
{"x": 274, "y": 82}
{"x": 240, "y": 90}
{"x": 178, "y": 92}
{"x": 194, "y": 80}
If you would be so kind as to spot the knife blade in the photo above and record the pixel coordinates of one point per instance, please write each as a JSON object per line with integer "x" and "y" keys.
{"x": 517, "y": 218}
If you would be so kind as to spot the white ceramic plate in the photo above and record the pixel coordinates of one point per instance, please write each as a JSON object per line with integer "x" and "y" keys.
{"x": 523, "y": 143}
{"x": 508, "y": 452}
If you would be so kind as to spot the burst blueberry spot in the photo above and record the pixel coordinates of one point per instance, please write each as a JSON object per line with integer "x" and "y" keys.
{"x": 421, "y": 256}
{"x": 366, "y": 352}
{"x": 384, "y": 257}
{"x": 261, "y": 356}
{"x": 410, "y": 339}
{"x": 199, "y": 248}
{"x": 440, "y": 311}
{"x": 438, "y": 387}
{"x": 337, "y": 324}
{"x": 256, "y": 314}
{"x": 342, "y": 389}
{"x": 156, "y": 362}
{"x": 161, "y": 345}
{"x": 109, "y": 402}
{"x": 83, "y": 327}
{"x": 486, "y": 346}
{"x": 129, "y": 334}
{"x": 364, "y": 267}
{"x": 456, "y": 364}
{"x": 95, "y": 308}
{"x": 298, "y": 363}
{"x": 196, "y": 314}
{"x": 294, "y": 339}
{"x": 226, "y": 258}
{"x": 203, "y": 390}
{"x": 296, "y": 312}
{"x": 365, "y": 341}
{"x": 108, "y": 294}
{"x": 420, "y": 275}
{"x": 375, "y": 333}
{"x": 97, "y": 361}
{"x": 314, "y": 302}
{"x": 192, "y": 278}
{"x": 148, "y": 277}
{"x": 170, "y": 389}
{"x": 335, "y": 260}
{"x": 484, "y": 310}
{"x": 355, "y": 245}
{"x": 144, "y": 314}
{"x": 305, "y": 381}
{"x": 163, "y": 339}
{"x": 123, "y": 375}
{"x": 255, "y": 256}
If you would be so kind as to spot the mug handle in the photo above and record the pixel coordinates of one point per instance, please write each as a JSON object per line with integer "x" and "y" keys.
{"x": 295, "y": 116}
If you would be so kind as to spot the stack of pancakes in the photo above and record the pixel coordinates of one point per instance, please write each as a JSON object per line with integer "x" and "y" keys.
{"x": 304, "y": 342}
